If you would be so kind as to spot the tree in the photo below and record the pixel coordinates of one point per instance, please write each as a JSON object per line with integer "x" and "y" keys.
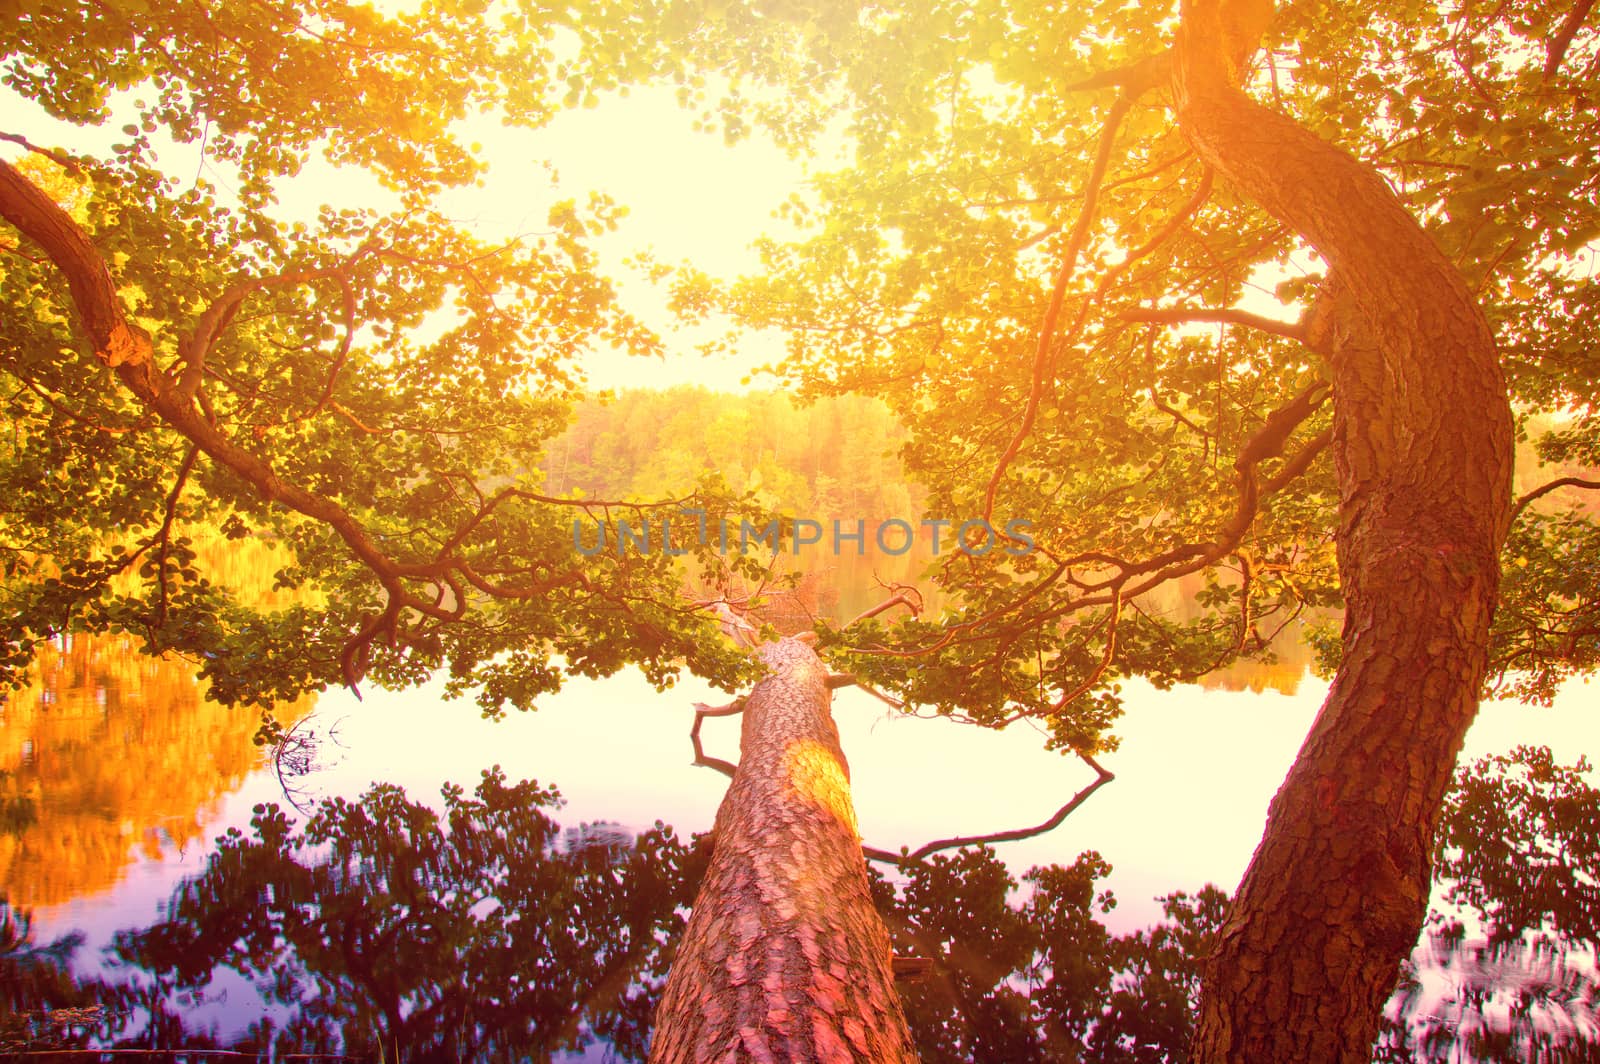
{"x": 785, "y": 956}
{"x": 1038, "y": 258}
{"x": 371, "y": 385}
{"x": 1046, "y": 206}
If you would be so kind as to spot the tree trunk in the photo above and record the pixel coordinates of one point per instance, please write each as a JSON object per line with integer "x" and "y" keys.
{"x": 1335, "y": 895}
{"x": 785, "y": 957}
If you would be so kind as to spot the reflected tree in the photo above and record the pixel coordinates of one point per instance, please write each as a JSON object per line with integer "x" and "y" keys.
{"x": 1042, "y": 979}
{"x": 1520, "y": 847}
{"x": 42, "y": 1003}
{"x": 1518, "y": 856}
{"x": 383, "y": 927}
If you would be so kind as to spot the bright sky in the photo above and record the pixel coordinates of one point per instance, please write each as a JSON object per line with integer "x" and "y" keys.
{"x": 689, "y": 196}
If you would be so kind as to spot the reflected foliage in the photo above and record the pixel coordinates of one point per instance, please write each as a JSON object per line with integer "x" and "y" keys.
{"x": 1028, "y": 971}
{"x": 1509, "y": 1001}
{"x": 105, "y": 753}
{"x": 1520, "y": 847}
{"x": 1518, "y": 853}
{"x": 483, "y": 931}
{"x": 32, "y": 975}
{"x": 1041, "y": 978}
{"x": 383, "y": 928}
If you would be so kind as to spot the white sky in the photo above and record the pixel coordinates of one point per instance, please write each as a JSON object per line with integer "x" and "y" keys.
{"x": 689, "y": 196}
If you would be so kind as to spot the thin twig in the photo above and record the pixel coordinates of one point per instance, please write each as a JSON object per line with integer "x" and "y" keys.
{"x": 1102, "y": 777}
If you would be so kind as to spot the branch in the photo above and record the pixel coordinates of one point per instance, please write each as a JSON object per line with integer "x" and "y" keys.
{"x": 837, "y": 680}
{"x": 360, "y": 426}
{"x": 193, "y": 349}
{"x": 1135, "y": 79}
{"x": 1545, "y": 489}
{"x": 164, "y": 533}
{"x": 1177, "y": 415}
{"x": 1556, "y": 50}
{"x": 727, "y": 768}
{"x": 1072, "y": 695}
{"x": 900, "y": 598}
{"x": 1102, "y": 777}
{"x": 1167, "y": 231}
{"x": 114, "y": 340}
{"x": 127, "y": 349}
{"x": 1069, "y": 263}
{"x": 59, "y": 158}
{"x": 1182, "y": 559}
{"x": 1246, "y": 622}
{"x": 702, "y": 710}
{"x": 72, "y": 415}
{"x": 1268, "y": 440}
{"x": 1222, "y": 315}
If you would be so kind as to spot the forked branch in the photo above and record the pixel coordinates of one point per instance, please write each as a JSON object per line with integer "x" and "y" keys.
{"x": 1102, "y": 777}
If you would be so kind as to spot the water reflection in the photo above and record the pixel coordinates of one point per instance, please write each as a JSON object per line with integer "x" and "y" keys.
{"x": 107, "y": 755}
{"x": 381, "y": 925}
{"x": 381, "y": 929}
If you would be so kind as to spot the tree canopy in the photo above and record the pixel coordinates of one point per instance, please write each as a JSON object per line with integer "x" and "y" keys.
{"x": 1261, "y": 294}
{"x": 1025, "y": 259}
{"x": 370, "y": 384}
{"x": 1079, "y": 322}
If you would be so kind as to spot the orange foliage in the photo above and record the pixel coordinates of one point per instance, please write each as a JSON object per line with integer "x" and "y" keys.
{"x": 111, "y": 753}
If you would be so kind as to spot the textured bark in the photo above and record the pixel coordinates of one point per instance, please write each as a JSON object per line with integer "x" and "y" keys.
{"x": 1336, "y": 893}
{"x": 785, "y": 958}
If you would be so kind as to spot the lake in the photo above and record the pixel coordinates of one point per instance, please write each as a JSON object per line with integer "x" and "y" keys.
{"x": 119, "y": 778}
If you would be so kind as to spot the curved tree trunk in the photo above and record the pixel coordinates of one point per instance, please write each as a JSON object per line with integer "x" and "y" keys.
{"x": 785, "y": 957}
{"x": 1335, "y": 895}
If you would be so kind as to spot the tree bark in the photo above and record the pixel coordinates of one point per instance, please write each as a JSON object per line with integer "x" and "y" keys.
{"x": 1335, "y": 895}
{"x": 785, "y": 957}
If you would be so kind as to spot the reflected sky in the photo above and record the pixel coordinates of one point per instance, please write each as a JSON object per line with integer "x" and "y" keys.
{"x": 1194, "y": 774}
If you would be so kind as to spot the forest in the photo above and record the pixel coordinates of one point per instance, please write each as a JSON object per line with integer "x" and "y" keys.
{"x": 1275, "y": 324}
{"x": 835, "y": 457}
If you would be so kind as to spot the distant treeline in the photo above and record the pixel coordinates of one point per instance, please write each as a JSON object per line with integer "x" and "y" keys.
{"x": 837, "y": 457}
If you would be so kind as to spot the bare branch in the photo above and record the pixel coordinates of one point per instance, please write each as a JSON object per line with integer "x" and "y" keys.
{"x": 727, "y": 768}
{"x": 1102, "y": 777}
{"x": 1545, "y": 489}
{"x": 702, "y": 710}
